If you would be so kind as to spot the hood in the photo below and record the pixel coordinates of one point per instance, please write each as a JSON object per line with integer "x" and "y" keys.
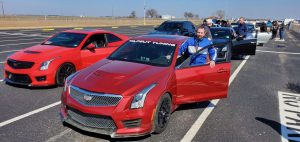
{"x": 220, "y": 40}
{"x": 173, "y": 32}
{"x": 40, "y": 52}
{"x": 118, "y": 77}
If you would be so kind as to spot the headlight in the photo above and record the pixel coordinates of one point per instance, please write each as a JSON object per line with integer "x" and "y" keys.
{"x": 139, "y": 99}
{"x": 45, "y": 65}
{"x": 68, "y": 79}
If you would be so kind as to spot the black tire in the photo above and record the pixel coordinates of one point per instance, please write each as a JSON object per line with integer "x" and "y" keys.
{"x": 162, "y": 114}
{"x": 63, "y": 72}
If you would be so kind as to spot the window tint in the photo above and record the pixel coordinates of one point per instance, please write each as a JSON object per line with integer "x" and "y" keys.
{"x": 220, "y": 33}
{"x": 189, "y": 26}
{"x": 145, "y": 52}
{"x": 112, "y": 38}
{"x": 251, "y": 28}
{"x": 170, "y": 26}
{"x": 98, "y": 40}
{"x": 65, "y": 39}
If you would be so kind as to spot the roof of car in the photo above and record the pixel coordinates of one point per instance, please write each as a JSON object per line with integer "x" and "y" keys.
{"x": 176, "y": 21}
{"x": 164, "y": 38}
{"x": 88, "y": 31}
{"x": 221, "y": 28}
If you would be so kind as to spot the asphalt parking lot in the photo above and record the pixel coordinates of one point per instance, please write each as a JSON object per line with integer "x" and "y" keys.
{"x": 250, "y": 113}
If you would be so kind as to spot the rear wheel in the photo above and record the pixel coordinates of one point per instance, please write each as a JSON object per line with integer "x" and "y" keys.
{"x": 63, "y": 72}
{"x": 162, "y": 114}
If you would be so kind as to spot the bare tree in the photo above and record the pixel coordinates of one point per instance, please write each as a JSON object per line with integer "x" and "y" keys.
{"x": 220, "y": 14}
{"x": 132, "y": 14}
{"x": 188, "y": 15}
{"x": 152, "y": 13}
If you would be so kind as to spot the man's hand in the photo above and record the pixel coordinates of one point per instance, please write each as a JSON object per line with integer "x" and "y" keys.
{"x": 212, "y": 64}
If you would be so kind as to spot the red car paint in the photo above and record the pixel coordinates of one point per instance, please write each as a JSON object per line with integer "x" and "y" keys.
{"x": 185, "y": 85}
{"x": 77, "y": 56}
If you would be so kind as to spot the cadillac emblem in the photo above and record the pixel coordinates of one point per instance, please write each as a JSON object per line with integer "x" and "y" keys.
{"x": 87, "y": 98}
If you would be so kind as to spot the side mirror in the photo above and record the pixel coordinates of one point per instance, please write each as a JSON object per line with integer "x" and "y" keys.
{"x": 91, "y": 46}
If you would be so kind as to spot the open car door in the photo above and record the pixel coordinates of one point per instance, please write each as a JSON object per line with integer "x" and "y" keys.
{"x": 244, "y": 46}
{"x": 201, "y": 82}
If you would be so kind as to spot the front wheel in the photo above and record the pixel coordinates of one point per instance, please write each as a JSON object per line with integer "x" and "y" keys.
{"x": 63, "y": 72}
{"x": 162, "y": 114}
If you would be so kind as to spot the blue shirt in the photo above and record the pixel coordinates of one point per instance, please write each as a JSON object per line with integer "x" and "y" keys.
{"x": 242, "y": 30}
{"x": 200, "y": 43}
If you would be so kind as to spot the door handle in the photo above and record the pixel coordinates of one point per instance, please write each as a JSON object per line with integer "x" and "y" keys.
{"x": 222, "y": 70}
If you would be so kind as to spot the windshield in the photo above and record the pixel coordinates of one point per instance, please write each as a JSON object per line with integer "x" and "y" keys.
{"x": 258, "y": 24}
{"x": 251, "y": 28}
{"x": 170, "y": 26}
{"x": 220, "y": 33}
{"x": 145, "y": 52}
{"x": 66, "y": 39}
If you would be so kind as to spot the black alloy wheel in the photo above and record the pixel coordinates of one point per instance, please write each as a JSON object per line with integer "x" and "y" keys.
{"x": 63, "y": 72}
{"x": 163, "y": 113}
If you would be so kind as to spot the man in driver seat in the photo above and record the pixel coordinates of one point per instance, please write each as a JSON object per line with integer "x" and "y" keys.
{"x": 196, "y": 43}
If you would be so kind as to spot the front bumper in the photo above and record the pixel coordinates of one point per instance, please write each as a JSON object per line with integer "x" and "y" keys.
{"x": 126, "y": 122}
{"x": 28, "y": 77}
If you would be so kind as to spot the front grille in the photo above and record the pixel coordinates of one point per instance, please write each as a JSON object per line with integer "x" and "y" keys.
{"x": 132, "y": 123}
{"x": 91, "y": 120}
{"x": 88, "y": 98}
{"x": 19, "y": 64}
{"x": 18, "y": 78}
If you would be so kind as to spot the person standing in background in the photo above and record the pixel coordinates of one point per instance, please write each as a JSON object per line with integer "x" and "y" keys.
{"x": 207, "y": 24}
{"x": 275, "y": 28}
{"x": 281, "y": 31}
{"x": 242, "y": 29}
{"x": 269, "y": 25}
{"x": 263, "y": 27}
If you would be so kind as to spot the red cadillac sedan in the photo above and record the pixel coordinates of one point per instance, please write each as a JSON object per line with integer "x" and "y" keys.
{"x": 50, "y": 62}
{"x": 133, "y": 91}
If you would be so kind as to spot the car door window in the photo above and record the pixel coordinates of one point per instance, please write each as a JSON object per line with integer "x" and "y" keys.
{"x": 189, "y": 26}
{"x": 112, "y": 38}
{"x": 223, "y": 55}
{"x": 98, "y": 40}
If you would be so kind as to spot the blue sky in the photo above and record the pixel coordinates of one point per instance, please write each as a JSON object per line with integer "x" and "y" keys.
{"x": 277, "y": 9}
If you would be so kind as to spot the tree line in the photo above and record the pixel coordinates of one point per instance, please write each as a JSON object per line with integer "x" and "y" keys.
{"x": 152, "y": 13}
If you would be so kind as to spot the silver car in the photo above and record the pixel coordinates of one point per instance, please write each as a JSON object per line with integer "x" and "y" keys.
{"x": 262, "y": 37}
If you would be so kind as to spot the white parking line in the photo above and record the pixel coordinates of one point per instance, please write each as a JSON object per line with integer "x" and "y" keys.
{"x": 189, "y": 135}
{"x": 28, "y": 114}
{"x": 21, "y": 39}
{"x": 200, "y": 120}
{"x": 289, "y": 113}
{"x": 22, "y": 34}
{"x": 19, "y": 43}
{"x": 8, "y": 51}
{"x": 1, "y": 80}
{"x": 291, "y": 53}
{"x": 2, "y": 62}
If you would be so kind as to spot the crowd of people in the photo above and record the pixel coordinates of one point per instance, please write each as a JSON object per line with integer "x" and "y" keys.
{"x": 275, "y": 27}
{"x": 203, "y": 38}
